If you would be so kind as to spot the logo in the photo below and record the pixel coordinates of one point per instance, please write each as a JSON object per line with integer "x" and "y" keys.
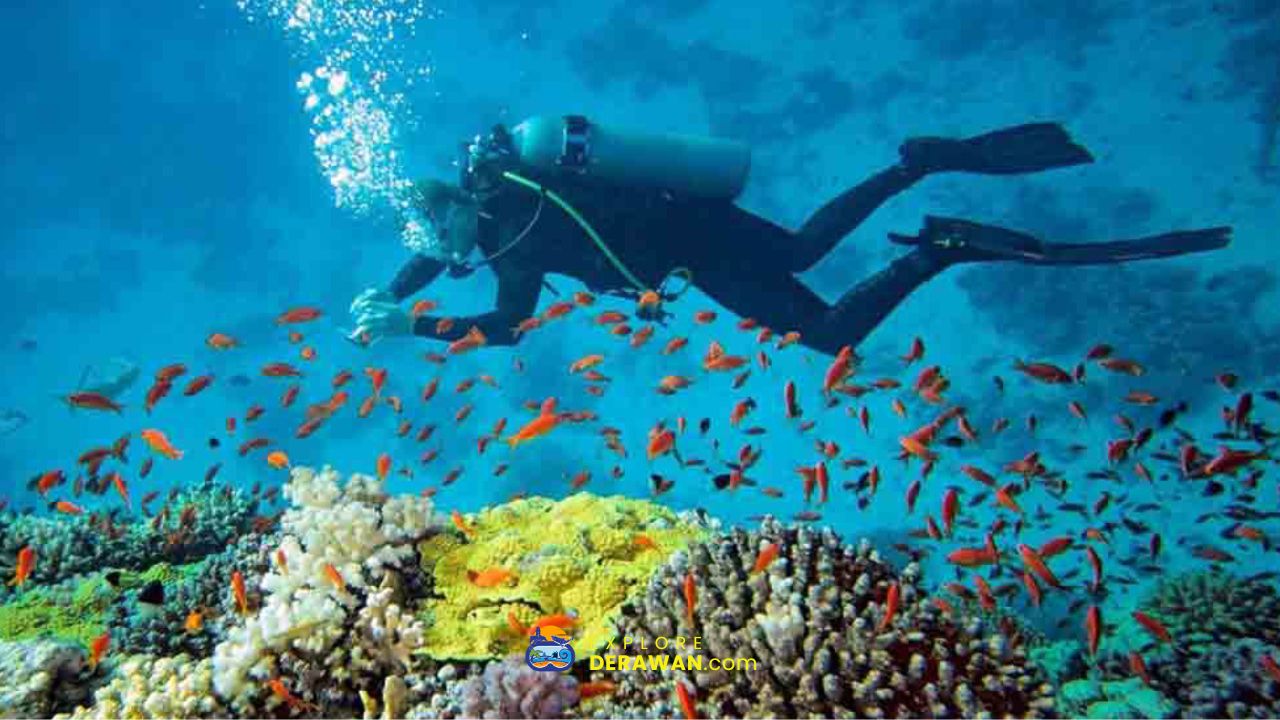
{"x": 549, "y": 650}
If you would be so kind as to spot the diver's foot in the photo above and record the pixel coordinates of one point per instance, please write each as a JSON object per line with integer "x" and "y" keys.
{"x": 1014, "y": 150}
{"x": 953, "y": 240}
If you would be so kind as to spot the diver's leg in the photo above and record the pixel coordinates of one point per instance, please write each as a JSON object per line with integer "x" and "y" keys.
{"x": 1019, "y": 149}
{"x": 770, "y": 295}
{"x": 828, "y": 225}
{"x": 861, "y": 309}
{"x": 956, "y": 240}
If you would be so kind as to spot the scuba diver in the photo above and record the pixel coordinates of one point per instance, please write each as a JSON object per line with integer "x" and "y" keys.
{"x": 625, "y": 213}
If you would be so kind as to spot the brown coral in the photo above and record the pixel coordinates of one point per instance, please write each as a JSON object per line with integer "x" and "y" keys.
{"x": 812, "y": 621}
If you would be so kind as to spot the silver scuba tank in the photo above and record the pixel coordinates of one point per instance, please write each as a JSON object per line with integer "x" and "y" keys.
{"x": 685, "y": 164}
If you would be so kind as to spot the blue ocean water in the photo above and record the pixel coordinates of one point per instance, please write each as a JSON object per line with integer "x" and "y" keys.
{"x": 164, "y": 178}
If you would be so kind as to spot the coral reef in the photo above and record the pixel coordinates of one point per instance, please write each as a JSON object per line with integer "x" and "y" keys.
{"x": 1226, "y": 680}
{"x": 330, "y": 627}
{"x": 144, "y": 686}
{"x": 583, "y": 555}
{"x": 40, "y": 677}
{"x": 1222, "y": 626}
{"x": 75, "y": 610}
{"x": 1129, "y": 698}
{"x": 199, "y": 587}
{"x": 1212, "y": 608}
{"x": 815, "y": 622}
{"x": 218, "y": 515}
{"x": 509, "y": 688}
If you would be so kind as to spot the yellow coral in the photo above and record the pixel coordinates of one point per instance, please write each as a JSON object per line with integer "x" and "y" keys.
{"x": 39, "y": 614}
{"x": 78, "y": 612}
{"x": 579, "y": 556}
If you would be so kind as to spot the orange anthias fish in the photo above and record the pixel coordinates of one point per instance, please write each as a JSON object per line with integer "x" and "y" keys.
{"x": 278, "y": 459}
{"x": 1036, "y": 564}
{"x": 546, "y": 421}
{"x": 492, "y": 577}
{"x": 297, "y": 315}
{"x": 1153, "y": 626}
{"x": 421, "y": 307}
{"x": 690, "y": 596}
{"x": 332, "y": 575}
{"x": 238, "y": 592}
{"x": 160, "y": 444}
{"x": 841, "y": 368}
{"x": 688, "y": 703}
{"x": 915, "y": 353}
{"x": 765, "y": 557}
{"x": 718, "y": 361}
{"x": 1093, "y": 628}
{"x": 661, "y": 442}
{"x": 194, "y": 622}
{"x": 461, "y": 524}
{"x": 98, "y": 649}
{"x": 22, "y": 570}
{"x": 890, "y": 606}
{"x": 383, "y": 467}
{"x": 48, "y": 481}
{"x": 221, "y": 341}
{"x": 67, "y": 507}
{"x": 279, "y": 690}
{"x": 595, "y": 688}
{"x": 472, "y": 340}
{"x": 280, "y": 369}
{"x": 586, "y": 363}
{"x": 92, "y": 401}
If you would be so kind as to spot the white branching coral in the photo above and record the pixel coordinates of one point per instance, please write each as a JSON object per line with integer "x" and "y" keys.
{"x": 339, "y": 541}
{"x": 388, "y": 632}
{"x": 149, "y": 687}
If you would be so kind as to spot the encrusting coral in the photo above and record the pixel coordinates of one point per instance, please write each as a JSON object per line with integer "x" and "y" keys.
{"x": 509, "y": 688}
{"x": 328, "y": 628}
{"x": 75, "y": 610}
{"x": 582, "y": 556}
{"x": 815, "y": 621}
{"x": 41, "y": 677}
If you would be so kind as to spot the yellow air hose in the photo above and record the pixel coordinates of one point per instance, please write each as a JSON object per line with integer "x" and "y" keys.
{"x": 591, "y": 233}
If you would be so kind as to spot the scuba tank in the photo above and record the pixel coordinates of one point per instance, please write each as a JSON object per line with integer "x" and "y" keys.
{"x": 684, "y": 164}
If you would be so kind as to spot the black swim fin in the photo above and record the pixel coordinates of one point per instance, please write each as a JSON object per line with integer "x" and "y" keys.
{"x": 959, "y": 240}
{"x": 1014, "y": 150}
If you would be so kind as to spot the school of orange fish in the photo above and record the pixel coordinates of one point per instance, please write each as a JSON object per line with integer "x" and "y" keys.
{"x": 1148, "y": 447}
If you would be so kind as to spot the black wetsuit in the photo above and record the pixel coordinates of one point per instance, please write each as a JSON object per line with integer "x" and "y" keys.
{"x": 743, "y": 261}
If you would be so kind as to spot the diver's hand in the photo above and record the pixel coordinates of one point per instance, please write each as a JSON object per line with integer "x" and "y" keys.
{"x": 377, "y": 315}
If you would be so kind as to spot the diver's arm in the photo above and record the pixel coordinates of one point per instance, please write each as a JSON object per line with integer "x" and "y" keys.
{"x": 518, "y": 291}
{"x": 414, "y": 275}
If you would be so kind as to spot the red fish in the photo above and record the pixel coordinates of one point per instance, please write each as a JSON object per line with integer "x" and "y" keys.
{"x": 765, "y": 557}
{"x": 1153, "y": 626}
{"x": 298, "y": 315}
{"x": 197, "y": 384}
{"x": 1036, "y": 564}
{"x": 1093, "y": 628}
{"x": 92, "y": 401}
{"x": 1044, "y": 372}
{"x": 690, "y": 596}
{"x": 687, "y": 701}
{"x": 891, "y": 601}
{"x": 280, "y": 369}
{"x": 25, "y": 564}
{"x": 915, "y": 353}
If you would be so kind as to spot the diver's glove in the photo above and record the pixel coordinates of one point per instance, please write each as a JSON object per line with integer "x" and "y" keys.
{"x": 377, "y": 315}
